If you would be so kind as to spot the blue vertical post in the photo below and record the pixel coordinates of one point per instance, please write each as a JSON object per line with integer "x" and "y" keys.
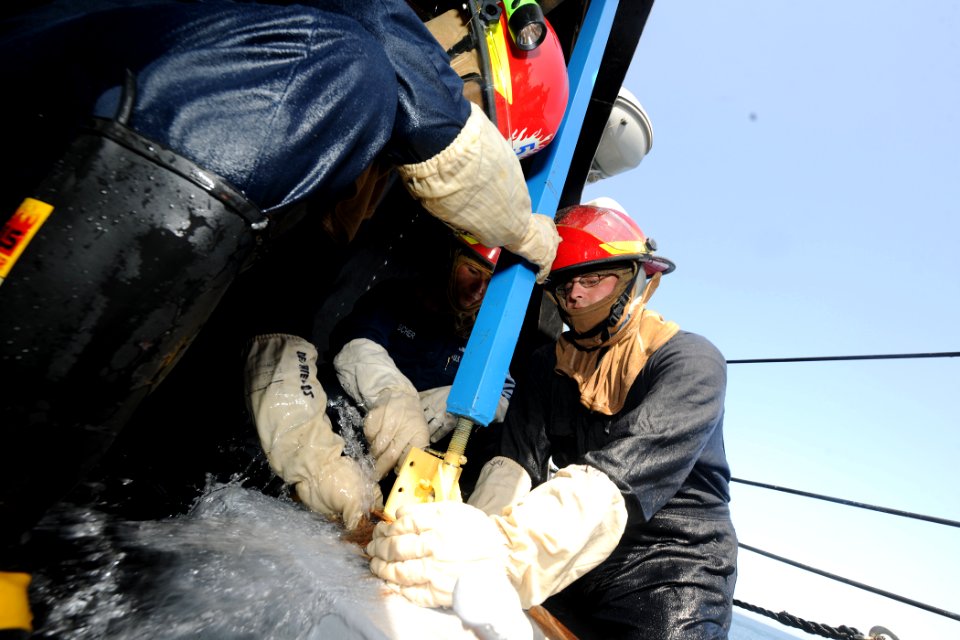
{"x": 476, "y": 389}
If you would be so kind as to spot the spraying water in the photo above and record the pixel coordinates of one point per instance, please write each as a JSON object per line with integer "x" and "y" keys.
{"x": 239, "y": 564}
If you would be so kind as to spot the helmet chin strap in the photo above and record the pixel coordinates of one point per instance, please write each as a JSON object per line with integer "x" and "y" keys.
{"x": 623, "y": 303}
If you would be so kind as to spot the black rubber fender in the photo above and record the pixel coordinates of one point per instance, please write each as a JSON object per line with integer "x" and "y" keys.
{"x": 139, "y": 248}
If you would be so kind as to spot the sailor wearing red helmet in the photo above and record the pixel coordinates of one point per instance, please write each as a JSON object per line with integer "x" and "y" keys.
{"x": 632, "y": 536}
{"x": 471, "y": 268}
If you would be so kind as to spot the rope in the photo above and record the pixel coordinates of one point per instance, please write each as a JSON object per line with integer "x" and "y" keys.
{"x": 784, "y": 618}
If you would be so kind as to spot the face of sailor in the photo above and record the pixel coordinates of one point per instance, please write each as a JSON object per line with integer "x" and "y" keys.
{"x": 470, "y": 283}
{"x": 582, "y": 291}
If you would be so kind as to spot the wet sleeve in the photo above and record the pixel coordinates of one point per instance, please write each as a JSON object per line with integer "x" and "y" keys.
{"x": 666, "y": 435}
{"x": 431, "y": 109}
{"x": 524, "y": 438}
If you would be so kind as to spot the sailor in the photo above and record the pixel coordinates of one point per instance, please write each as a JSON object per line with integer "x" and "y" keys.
{"x": 410, "y": 334}
{"x": 609, "y": 500}
{"x": 156, "y": 145}
{"x": 395, "y": 356}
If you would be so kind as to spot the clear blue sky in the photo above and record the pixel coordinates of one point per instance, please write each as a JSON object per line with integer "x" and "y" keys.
{"x": 805, "y": 176}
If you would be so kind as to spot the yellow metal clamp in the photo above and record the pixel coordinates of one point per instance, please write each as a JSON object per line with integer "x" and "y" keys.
{"x": 428, "y": 476}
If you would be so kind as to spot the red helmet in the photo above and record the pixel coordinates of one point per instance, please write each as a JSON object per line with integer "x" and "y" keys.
{"x": 601, "y": 235}
{"x": 483, "y": 253}
{"x": 530, "y": 88}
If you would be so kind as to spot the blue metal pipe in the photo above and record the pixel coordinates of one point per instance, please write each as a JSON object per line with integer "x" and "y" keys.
{"x": 476, "y": 389}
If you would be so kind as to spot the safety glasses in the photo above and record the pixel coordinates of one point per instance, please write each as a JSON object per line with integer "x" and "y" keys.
{"x": 587, "y": 281}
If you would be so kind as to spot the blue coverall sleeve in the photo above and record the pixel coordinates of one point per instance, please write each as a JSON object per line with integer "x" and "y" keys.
{"x": 284, "y": 102}
{"x": 431, "y": 109}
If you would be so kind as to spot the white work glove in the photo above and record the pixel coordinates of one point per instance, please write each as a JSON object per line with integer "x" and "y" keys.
{"x": 439, "y": 422}
{"x": 433, "y": 402}
{"x": 430, "y": 545}
{"x": 539, "y": 244}
{"x": 501, "y": 413}
{"x": 501, "y": 483}
{"x": 476, "y": 184}
{"x": 486, "y": 603}
{"x": 288, "y": 406}
{"x": 552, "y": 536}
{"x": 394, "y": 422}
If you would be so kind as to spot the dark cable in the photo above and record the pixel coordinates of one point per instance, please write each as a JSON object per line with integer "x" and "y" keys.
{"x": 859, "y": 585}
{"x": 841, "y": 632}
{"x": 850, "y": 503}
{"x": 890, "y": 356}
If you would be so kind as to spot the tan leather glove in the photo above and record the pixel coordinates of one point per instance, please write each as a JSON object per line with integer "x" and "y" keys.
{"x": 552, "y": 536}
{"x": 476, "y": 184}
{"x": 394, "y": 422}
{"x": 288, "y": 406}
